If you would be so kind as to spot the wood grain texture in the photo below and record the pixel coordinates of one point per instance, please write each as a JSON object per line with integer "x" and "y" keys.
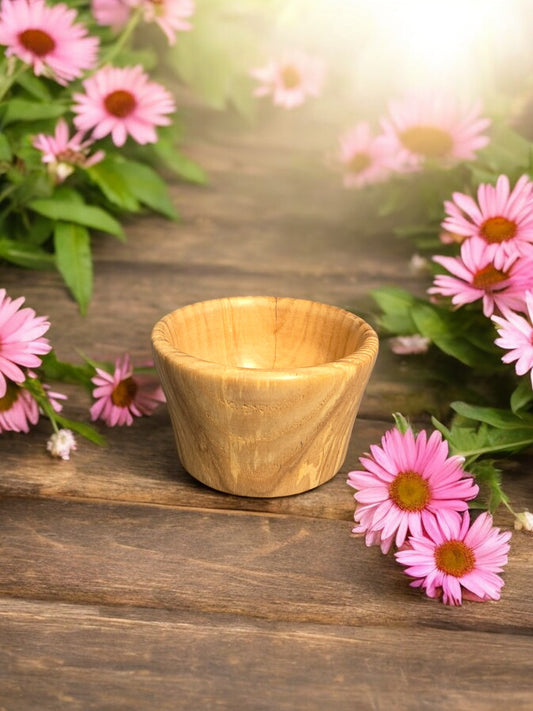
{"x": 263, "y": 391}
{"x": 269, "y": 566}
{"x": 78, "y": 657}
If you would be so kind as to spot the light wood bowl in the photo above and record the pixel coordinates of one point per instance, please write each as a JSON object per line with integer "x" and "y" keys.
{"x": 263, "y": 391}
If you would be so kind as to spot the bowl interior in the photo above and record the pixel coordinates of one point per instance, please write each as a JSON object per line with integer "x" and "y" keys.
{"x": 271, "y": 333}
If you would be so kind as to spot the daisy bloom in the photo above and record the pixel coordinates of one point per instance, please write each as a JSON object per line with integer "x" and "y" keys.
{"x": 111, "y": 13}
{"x": 500, "y": 216}
{"x": 18, "y": 409}
{"x": 434, "y": 127}
{"x": 48, "y": 38}
{"x": 122, "y": 102}
{"x": 21, "y": 340}
{"x": 365, "y": 158}
{"x": 409, "y": 345}
{"x": 120, "y": 396}
{"x": 405, "y": 484}
{"x": 454, "y": 555}
{"x": 290, "y": 79}
{"x": 482, "y": 272}
{"x": 62, "y": 154}
{"x": 172, "y": 16}
{"x": 61, "y": 444}
{"x": 515, "y": 334}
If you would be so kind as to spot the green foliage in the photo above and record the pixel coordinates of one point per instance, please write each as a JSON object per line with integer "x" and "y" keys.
{"x": 73, "y": 259}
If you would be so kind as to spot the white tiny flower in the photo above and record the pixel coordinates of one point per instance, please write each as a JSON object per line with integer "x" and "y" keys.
{"x": 61, "y": 444}
{"x": 418, "y": 264}
{"x": 524, "y": 521}
{"x": 409, "y": 345}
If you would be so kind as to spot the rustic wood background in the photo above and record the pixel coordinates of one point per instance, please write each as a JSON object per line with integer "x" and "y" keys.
{"x": 125, "y": 584}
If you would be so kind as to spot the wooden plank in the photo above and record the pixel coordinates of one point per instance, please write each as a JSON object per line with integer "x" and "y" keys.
{"x": 268, "y": 566}
{"x": 60, "y": 656}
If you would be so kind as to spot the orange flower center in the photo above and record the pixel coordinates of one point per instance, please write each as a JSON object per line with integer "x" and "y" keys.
{"x": 290, "y": 77}
{"x": 409, "y": 491}
{"x": 10, "y": 398}
{"x": 37, "y": 42}
{"x": 124, "y": 393}
{"x": 429, "y": 141}
{"x": 498, "y": 229}
{"x": 455, "y": 558}
{"x": 359, "y": 162}
{"x": 120, "y": 103}
{"x": 488, "y": 277}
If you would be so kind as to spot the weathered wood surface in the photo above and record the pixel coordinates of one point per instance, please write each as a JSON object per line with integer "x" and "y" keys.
{"x": 126, "y": 584}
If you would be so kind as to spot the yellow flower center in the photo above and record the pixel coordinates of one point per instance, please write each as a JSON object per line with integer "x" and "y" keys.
{"x": 37, "y": 42}
{"x": 455, "y": 558}
{"x": 498, "y": 229}
{"x": 290, "y": 77}
{"x": 428, "y": 141}
{"x": 488, "y": 277}
{"x": 124, "y": 393}
{"x": 10, "y": 398}
{"x": 359, "y": 162}
{"x": 409, "y": 491}
{"x": 120, "y": 103}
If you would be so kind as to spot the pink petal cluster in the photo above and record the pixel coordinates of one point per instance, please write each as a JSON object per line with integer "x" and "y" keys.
{"x": 21, "y": 340}
{"x": 122, "y": 395}
{"x": 515, "y": 335}
{"x": 406, "y": 482}
{"x": 111, "y": 13}
{"x": 122, "y": 101}
{"x": 18, "y": 409}
{"x": 456, "y": 560}
{"x": 172, "y": 16}
{"x": 63, "y": 154}
{"x": 365, "y": 158}
{"x": 290, "y": 79}
{"x": 48, "y": 38}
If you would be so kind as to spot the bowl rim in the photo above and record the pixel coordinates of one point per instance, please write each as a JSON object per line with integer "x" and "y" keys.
{"x": 361, "y": 358}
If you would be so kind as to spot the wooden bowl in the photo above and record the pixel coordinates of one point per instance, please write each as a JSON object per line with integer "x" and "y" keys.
{"x": 263, "y": 391}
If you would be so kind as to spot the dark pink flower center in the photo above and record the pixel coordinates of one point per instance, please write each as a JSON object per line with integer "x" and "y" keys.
{"x": 428, "y": 141}
{"x": 10, "y": 398}
{"x": 455, "y": 558}
{"x": 488, "y": 277}
{"x": 410, "y": 491}
{"x": 359, "y": 162}
{"x": 120, "y": 103}
{"x": 498, "y": 229}
{"x": 37, "y": 41}
{"x": 124, "y": 393}
{"x": 290, "y": 77}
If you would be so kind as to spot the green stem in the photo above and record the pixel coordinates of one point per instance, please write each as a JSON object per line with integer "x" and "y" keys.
{"x": 10, "y": 77}
{"x": 122, "y": 39}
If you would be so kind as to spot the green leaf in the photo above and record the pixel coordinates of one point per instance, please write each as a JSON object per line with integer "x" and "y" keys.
{"x": 401, "y": 422}
{"x": 74, "y": 261}
{"x": 6, "y": 154}
{"x": 54, "y": 369}
{"x": 181, "y": 165}
{"x": 24, "y": 254}
{"x": 396, "y": 305}
{"x": 34, "y": 86}
{"x": 147, "y": 187}
{"x": 522, "y": 396}
{"x": 109, "y": 178}
{"x": 81, "y": 214}
{"x": 26, "y": 110}
{"x": 489, "y": 477}
{"x": 496, "y": 417}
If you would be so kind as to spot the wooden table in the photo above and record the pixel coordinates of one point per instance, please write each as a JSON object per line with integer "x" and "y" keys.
{"x": 125, "y": 584}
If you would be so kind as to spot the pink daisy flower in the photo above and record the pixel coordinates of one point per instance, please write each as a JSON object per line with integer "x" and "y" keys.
{"x": 21, "y": 340}
{"x": 47, "y": 38}
{"x": 291, "y": 79}
{"x": 500, "y": 216}
{"x": 120, "y": 396}
{"x": 453, "y": 556}
{"x": 365, "y": 158}
{"x": 434, "y": 127}
{"x": 484, "y": 273}
{"x": 111, "y": 13}
{"x": 406, "y": 483}
{"x": 516, "y": 336}
{"x": 172, "y": 16}
{"x": 62, "y": 154}
{"x": 18, "y": 409}
{"x": 122, "y": 101}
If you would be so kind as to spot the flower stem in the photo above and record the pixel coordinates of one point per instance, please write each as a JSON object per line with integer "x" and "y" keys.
{"x": 10, "y": 76}
{"x": 122, "y": 39}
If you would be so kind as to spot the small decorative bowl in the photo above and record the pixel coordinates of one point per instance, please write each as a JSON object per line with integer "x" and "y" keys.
{"x": 263, "y": 391}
